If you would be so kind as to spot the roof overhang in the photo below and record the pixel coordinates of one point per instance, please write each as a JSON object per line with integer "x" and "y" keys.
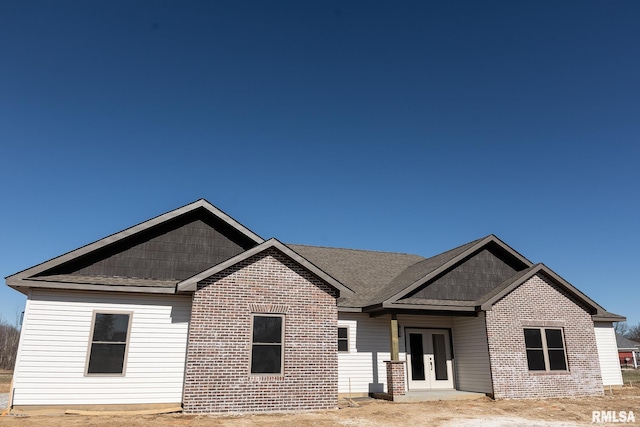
{"x": 191, "y": 284}
{"x": 422, "y": 310}
{"x": 608, "y": 317}
{"x": 25, "y": 285}
{"x": 349, "y": 309}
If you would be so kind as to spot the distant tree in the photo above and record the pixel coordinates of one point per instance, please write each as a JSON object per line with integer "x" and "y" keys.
{"x": 621, "y": 328}
{"x": 9, "y": 337}
{"x": 634, "y": 333}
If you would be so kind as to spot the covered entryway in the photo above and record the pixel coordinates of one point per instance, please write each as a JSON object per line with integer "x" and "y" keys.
{"x": 433, "y": 355}
{"x": 429, "y": 359}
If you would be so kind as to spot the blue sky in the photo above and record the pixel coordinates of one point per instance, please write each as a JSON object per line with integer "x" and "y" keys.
{"x": 412, "y": 127}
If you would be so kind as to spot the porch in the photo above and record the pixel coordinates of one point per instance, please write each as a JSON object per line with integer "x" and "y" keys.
{"x": 421, "y": 356}
{"x": 430, "y": 395}
{"x": 431, "y": 370}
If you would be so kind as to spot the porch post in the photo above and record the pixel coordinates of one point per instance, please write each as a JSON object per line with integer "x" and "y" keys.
{"x": 395, "y": 368}
{"x": 393, "y": 334}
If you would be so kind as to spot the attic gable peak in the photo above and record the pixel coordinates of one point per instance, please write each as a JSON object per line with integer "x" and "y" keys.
{"x": 17, "y": 280}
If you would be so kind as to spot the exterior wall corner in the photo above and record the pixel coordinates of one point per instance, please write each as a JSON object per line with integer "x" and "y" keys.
{"x": 539, "y": 302}
{"x": 218, "y": 376}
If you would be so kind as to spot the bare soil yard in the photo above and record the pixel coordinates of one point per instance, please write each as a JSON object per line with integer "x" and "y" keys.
{"x": 483, "y": 412}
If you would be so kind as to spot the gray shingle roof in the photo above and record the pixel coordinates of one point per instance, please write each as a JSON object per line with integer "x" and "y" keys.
{"x": 626, "y": 343}
{"x": 378, "y": 276}
{"x": 470, "y": 277}
{"x": 421, "y": 269}
{"x": 365, "y": 272}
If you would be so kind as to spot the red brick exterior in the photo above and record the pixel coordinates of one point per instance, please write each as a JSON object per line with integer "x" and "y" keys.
{"x": 539, "y": 302}
{"x": 217, "y": 377}
{"x": 395, "y": 378}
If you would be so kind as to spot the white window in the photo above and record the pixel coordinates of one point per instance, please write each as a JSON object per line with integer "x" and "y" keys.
{"x": 545, "y": 349}
{"x": 108, "y": 344}
{"x": 267, "y": 350}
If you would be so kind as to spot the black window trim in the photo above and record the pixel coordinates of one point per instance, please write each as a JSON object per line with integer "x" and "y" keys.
{"x": 347, "y": 339}
{"x": 545, "y": 349}
{"x": 282, "y": 335}
{"x": 91, "y": 342}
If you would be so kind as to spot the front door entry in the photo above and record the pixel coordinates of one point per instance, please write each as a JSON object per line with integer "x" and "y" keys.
{"x": 429, "y": 364}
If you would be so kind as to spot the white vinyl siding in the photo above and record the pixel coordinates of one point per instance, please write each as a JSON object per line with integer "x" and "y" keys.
{"x": 55, "y": 340}
{"x": 473, "y": 369}
{"x": 369, "y": 347}
{"x": 608, "y": 353}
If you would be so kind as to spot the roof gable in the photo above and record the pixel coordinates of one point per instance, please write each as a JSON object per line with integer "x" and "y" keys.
{"x": 473, "y": 277}
{"x": 166, "y": 249}
{"x": 487, "y": 301}
{"x": 190, "y": 284}
{"x": 489, "y": 259}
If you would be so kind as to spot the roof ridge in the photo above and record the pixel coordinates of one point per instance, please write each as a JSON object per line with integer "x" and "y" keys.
{"x": 356, "y": 250}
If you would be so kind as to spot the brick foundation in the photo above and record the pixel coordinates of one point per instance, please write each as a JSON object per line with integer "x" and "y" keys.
{"x": 538, "y": 303}
{"x": 395, "y": 378}
{"x": 217, "y": 376}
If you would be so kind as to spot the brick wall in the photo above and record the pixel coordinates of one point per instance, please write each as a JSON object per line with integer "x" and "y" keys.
{"x": 539, "y": 302}
{"x": 217, "y": 377}
{"x": 395, "y": 378}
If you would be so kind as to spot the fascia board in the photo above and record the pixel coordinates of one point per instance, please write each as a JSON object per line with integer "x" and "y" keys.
{"x": 572, "y": 289}
{"x": 541, "y": 268}
{"x": 91, "y": 287}
{"x": 608, "y": 318}
{"x": 349, "y": 309}
{"x": 229, "y": 220}
{"x": 429, "y": 307}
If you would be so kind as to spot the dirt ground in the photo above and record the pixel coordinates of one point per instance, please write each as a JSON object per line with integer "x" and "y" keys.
{"x": 477, "y": 413}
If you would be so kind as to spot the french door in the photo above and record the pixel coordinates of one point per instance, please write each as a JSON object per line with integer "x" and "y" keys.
{"x": 429, "y": 364}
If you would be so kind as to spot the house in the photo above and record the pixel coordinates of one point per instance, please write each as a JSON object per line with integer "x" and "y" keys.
{"x": 192, "y": 308}
{"x": 628, "y": 352}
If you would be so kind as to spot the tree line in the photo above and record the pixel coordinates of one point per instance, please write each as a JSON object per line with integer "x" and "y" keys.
{"x": 630, "y": 332}
{"x": 9, "y": 337}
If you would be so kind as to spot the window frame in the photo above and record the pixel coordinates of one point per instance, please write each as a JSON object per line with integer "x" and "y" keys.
{"x": 545, "y": 349}
{"x": 347, "y": 339}
{"x": 94, "y": 314}
{"x": 252, "y": 343}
